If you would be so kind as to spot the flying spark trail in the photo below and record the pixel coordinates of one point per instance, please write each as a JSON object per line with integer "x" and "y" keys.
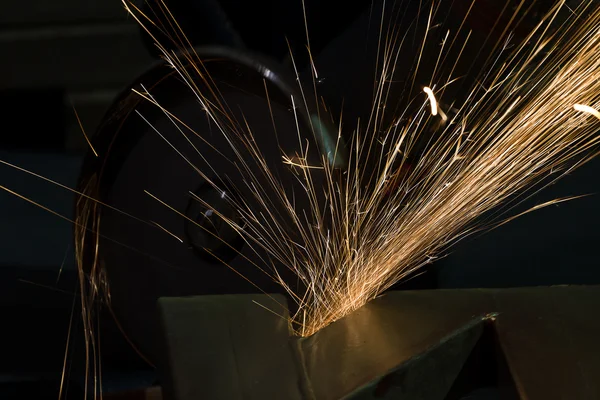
{"x": 432, "y": 101}
{"x": 435, "y": 108}
{"x": 587, "y": 109}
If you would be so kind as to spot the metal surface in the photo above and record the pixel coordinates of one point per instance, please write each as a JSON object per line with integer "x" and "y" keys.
{"x": 387, "y": 333}
{"x": 227, "y": 347}
{"x": 529, "y": 343}
{"x": 551, "y": 340}
{"x": 426, "y": 374}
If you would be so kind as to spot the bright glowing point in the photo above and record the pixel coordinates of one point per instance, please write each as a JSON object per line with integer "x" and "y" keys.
{"x": 432, "y": 100}
{"x": 587, "y": 109}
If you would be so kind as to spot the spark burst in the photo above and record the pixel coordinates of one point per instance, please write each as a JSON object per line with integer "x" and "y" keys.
{"x": 523, "y": 123}
{"x": 528, "y": 121}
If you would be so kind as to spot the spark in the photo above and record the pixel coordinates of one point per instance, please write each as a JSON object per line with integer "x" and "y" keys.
{"x": 435, "y": 108}
{"x": 300, "y": 163}
{"x": 68, "y": 342}
{"x": 432, "y": 100}
{"x": 55, "y": 289}
{"x": 167, "y": 231}
{"x": 87, "y": 139}
{"x": 587, "y": 109}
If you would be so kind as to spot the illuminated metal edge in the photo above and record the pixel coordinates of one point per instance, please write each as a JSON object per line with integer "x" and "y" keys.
{"x": 404, "y": 344}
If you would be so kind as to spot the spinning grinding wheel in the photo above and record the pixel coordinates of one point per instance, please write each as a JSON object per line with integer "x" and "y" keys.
{"x": 145, "y": 155}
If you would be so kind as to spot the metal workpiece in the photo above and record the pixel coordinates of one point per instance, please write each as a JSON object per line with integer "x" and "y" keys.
{"x": 529, "y": 343}
{"x": 227, "y": 347}
{"x": 420, "y": 335}
{"x": 550, "y": 338}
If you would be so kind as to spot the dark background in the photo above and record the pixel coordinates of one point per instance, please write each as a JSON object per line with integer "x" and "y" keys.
{"x": 81, "y": 54}
{"x": 55, "y": 56}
